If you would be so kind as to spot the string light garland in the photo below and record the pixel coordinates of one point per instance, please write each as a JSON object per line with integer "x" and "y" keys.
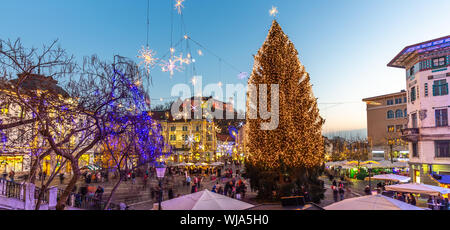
{"x": 295, "y": 148}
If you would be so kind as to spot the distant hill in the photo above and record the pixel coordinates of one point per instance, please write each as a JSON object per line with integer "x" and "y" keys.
{"x": 348, "y": 134}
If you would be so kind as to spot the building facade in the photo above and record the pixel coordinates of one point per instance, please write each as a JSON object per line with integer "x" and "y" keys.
{"x": 427, "y": 66}
{"x": 194, "y": 138}
{"x": 386, "y": 117}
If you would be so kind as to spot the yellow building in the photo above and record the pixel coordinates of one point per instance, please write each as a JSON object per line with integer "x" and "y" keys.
{"x": 191, "y": 139}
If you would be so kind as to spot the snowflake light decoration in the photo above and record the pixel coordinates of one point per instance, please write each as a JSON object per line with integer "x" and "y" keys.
{"x": 148, "y": 58}
{"x": 190, "y": 140}
{"x": 179, "y": 5}
{"x": 170, "y": 66}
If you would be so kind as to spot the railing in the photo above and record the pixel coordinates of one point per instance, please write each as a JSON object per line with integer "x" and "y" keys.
{"x": 12, "y": 189}
{"x": 44, "y": 199}
{"x": 87, "y": 202}
{"x": 410, "y": 131}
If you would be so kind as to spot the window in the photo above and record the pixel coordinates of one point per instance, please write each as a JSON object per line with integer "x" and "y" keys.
{"x": 4, "y": 109}
{"x": 391, "y": 128}
{"x": 398, "y": 101}
{"x": 442, "y": 148}
{"x": 441, "y": 116}
{"x": 399, "y": 128}
{"x": 173, "y": 137}
{"x": 390, "y": 102}
{"x": 414, "y": 149}
{"x": 173, "y": 128}
{"x": 398, "y": 113}
{"x": 197, "y": 128}
{"x": 209, "y": 137}
{"x": 411, "y": 71}
{"x": 426, "y": 89}
{"x": 404, "y": 100}
{"x": 185, "y": 128}
{"x": 439, "y": 62}
{"x": 390, "y": 114}
{"x": 185, "y": 137}
{"x": 440, "y": 87}
{"x": 413, "y": 94}
{"x": 414, "y": 120}
{"x": 405, "y": 113}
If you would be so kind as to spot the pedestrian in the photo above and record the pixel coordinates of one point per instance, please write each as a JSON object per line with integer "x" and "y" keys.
{"x": 188, "y": 181}
{"x": 99, "y": 192}
{"x": 144, "y": 181}
{"x": 193, "y": 188}
{"x": 335, "y": 193}
{"x": 367, "y": 190}
{"x": 334, "y": 183}
{"x": 220, "y": 190}
{"x": 11, "y": 175}
{"x": 413, "y": 199}
{"x": 341, "y": 192}
{"x": 133, "y": 177}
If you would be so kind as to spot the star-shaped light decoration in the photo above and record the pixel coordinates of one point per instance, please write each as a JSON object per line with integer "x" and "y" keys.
{"x": 219, "y": 84}
{"x": 170, "y": 66}
{"x": 273, "y": 12}
{"x": 179, "y": 5}
{"x": 242, "y": 75}
{"x": 190, "y": 140}
{"x": 148, "y": 58}
{"x": 200, "y": 52}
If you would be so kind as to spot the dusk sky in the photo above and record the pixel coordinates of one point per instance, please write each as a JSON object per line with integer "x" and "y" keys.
{"x": 345, "y": 45}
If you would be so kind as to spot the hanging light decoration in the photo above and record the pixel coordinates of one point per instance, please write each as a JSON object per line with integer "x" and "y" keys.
{"x": 179, "y": 5}
{"x": 148, "y": 58}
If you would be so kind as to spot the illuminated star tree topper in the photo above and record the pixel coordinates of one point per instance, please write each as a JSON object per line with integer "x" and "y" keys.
{"x": 273, "y": 12}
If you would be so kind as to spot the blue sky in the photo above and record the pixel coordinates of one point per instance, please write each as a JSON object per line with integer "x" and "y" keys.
{"x": 345, "y": 45}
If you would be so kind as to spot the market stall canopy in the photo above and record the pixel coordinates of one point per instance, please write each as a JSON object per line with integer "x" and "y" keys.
{"x": 216, "y": 164}
{"x": 205, "y": 200}
{"x": 91, "y": 167}
{"x": 373, "y": 202}
{"x": 390, "y": 177}
{"x": 418, "y": 188}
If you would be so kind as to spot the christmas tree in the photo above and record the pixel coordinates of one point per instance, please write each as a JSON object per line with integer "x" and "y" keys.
{"x": 289, "y": 158}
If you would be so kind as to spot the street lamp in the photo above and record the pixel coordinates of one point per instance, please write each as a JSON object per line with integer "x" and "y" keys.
{"x": 160, "y": 171}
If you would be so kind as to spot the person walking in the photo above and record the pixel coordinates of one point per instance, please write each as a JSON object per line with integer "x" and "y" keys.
{"x": 11, "y": 175}
{"x": 99, "y": 192}
{"x": 133, "y": 177}
{"x": 335, "y": 193}
{"x": 341, "y": 192}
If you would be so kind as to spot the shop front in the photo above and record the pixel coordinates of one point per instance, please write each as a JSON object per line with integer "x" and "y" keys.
{"x": 10, "y": 163}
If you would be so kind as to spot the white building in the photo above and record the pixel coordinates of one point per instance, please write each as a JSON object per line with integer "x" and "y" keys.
{"x": 427, "y": 66}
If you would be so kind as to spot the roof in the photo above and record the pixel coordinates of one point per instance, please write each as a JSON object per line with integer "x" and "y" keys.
{"x": 41, "y": 82}
{"x": 442, "y": 179}
{"x": 423, "y": 47}
{"x": 401, "y": 93}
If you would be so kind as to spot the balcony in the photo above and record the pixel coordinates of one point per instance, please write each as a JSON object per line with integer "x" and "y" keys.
{"x": 410, "y": 134}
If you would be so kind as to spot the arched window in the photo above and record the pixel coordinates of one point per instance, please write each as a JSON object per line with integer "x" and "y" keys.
{"x": 390, "y": 114}
{"x": 398, "y": 113}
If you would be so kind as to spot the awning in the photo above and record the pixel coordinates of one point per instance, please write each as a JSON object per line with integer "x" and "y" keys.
{"x": 373, "y": 202}
{"x": 418, "y": 188}
{"x": 390, "y": 177}
{"x": 205, "y": 200}
{"x": 442, "y": 179}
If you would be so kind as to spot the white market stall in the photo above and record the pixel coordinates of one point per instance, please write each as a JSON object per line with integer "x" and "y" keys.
{"x": 418, "y": 188}
{"x": 373, "y": 202}
{"x": 390, "y": 177}
{"x": 205, "y": 200}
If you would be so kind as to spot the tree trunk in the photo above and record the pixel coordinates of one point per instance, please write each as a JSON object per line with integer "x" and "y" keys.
{"x": 76, "y": 174}
{"x": 112, "y": 193}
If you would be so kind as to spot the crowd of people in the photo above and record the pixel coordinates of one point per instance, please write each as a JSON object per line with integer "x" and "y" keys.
{"x": 340, "y": 190}
{"x": 438, "y": 203}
